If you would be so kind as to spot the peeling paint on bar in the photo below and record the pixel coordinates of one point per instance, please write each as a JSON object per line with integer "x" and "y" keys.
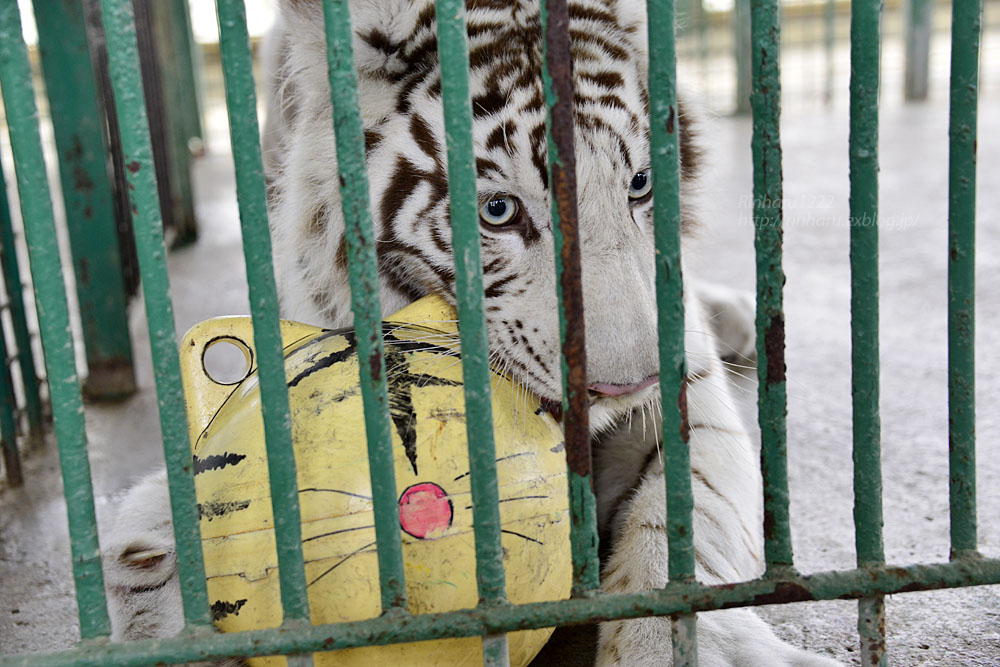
{"x": 767, "y": 197}
{"x": 863, "y": 158}
{"x": 558, "y": 81}
{"x": 965, "y": 36}
{"x": 53, "y": 321}
{"x": 365, "y": 302}
{"x": 119, "y": 28}
{"x": 398, "y": 626}
{"x": 241, "y": 102}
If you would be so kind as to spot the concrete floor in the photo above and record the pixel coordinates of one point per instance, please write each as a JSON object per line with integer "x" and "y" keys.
{"x": 960, "y": 627}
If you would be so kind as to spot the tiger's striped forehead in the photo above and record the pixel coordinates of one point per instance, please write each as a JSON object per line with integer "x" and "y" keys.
{"x": 508, "y": 101}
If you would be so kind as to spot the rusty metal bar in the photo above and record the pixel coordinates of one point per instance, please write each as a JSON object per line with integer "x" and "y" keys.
{"x": 388, "y": 629}
{"x": 965, "y": 35}
{"x": 558, "y": 80}
{"x": 863, "y": 157}
{"x": 767, "y": 213}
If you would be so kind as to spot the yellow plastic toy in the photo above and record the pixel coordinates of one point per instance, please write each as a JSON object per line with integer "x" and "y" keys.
{"x": 431, "y": 466}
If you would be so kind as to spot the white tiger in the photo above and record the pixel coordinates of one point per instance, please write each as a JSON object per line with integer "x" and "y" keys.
{"x": 400, "y": 91}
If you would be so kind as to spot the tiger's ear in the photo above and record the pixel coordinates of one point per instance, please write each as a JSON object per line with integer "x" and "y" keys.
{"x": 379, "y": 27}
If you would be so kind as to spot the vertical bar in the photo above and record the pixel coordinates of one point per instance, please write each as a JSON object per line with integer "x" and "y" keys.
{"x": 918, "y": 47}
{"x": 119, "y": 29}
{"x": 365, "y": 302}
{"x": 741, "y": 54}
{"x": 187, "y": 109}
{"x": 53, "y": 317}
{"x": 863, "y": 158}
{"x": 8, "y": 421}
{"x": 453, "y": 51}
{"x": 86, "y": 191}
{"x": 18, "y": 315}
{"x": 241, "y": 102}
{"x": 965, "y": 36}
{"x": 558, "y": 80}
{"x": 664, "y": 158}
{"x": 767, "y": 193}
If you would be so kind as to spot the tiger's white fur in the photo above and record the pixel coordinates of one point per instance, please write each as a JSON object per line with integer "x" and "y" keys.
{"x": 399, "y": 86}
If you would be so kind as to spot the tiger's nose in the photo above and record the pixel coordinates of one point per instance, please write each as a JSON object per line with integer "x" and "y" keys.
{"x": 609, "y": 389}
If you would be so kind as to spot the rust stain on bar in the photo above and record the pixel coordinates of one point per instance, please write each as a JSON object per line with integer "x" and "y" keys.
{"x": 560, "y": 67}
{"x": 774, "y": 345}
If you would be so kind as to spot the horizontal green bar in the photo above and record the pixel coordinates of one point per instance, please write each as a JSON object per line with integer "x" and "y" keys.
{"x": 397, "y": 626}
{"x": 53, "y": 321}
{"x": 241, "y": 102}
{"x": 130, "y": 107}
{"x": 365, "y": 302}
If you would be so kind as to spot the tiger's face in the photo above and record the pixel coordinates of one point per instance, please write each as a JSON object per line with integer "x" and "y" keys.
{"x": 400, "y": 88}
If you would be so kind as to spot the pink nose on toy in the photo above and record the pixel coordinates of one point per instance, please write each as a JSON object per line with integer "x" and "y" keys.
{"x": 425, "y": 510}
{"x": 623, "y": 389}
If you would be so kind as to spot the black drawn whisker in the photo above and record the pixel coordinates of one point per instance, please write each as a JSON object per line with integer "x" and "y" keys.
{"x": 507, "y": 500}
{"x": 346, "y": 493}
{"x": 341, "y": 562}
{"x": 530, "y": 539}
{"x": 502, "y": 458}
{"x": 336, "y": 532}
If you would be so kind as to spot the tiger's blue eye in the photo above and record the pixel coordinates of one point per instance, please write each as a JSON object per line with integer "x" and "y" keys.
{"x": 499, "y": 210}
{"x": 640, "y": 186}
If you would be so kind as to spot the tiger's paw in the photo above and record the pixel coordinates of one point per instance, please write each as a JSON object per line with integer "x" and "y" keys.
{"x": 140, "y": 565}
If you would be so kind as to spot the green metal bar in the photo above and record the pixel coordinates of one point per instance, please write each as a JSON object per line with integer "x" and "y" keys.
{"x": 916, "y": 73}
{"x": 365, "y": 302}
{"x": 767, "y": 196}
{"x": 86, "y": 191}
{"x": 119, "y": 27}
{"x": 871, "y": 629}
{"x": 453, "y": 51}
{"x": 863, "y": 158}
{"x": 53, "y": 318}
{"x": 965, "y": 35}
{"x": 176, "y": 86}
{"x": 558, "y": 81}
{"x": 19, "y": 318}
{"x": 241, "y": 102}
{"x": 387, "y": 629}
{"x": 665, "y": 162}
{"x": 8, "y": 421}
{"x": 187, "y": 109}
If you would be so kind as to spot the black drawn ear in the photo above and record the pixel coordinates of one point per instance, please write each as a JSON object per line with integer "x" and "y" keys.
{"x": 379, "y": 26}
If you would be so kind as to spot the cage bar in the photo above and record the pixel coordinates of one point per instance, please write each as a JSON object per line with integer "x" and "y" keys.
{"x": 8, "y": 421}
{"x": 53, "y": 317}
{"x": 365, "y": 302}
{"x": 965, "y": 37}
{"x": 453, "y": 52}
{"x": 119, "y": 28}
{"x": 864, "y": 195}
{"x": 558, "y": 81}
{"x": 387, "y": 629}
{"x": 241, "y": 102}
{"x": 665, "y": 162}
{"x": 19, "y": 319}
{"x": 765, "y": 101}
{"x": 86, "y": 191}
